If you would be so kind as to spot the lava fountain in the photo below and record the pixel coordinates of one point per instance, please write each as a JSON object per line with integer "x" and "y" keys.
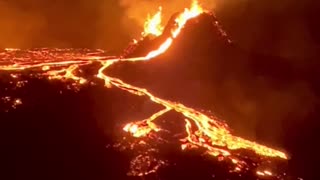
{"x": 202, "y": 131}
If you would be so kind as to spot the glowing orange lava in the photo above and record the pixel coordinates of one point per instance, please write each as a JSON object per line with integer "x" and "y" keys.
{"x": 153, "y": 26}
{"x": 211, "y": 133}
{"x": 201, "y": 130}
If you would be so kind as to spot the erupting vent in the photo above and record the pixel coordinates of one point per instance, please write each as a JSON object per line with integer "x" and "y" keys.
{"x": 201, "y": 130}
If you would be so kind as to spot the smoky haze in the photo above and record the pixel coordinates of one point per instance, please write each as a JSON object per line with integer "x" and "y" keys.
{"x": 107, "y": 24}
{"x": 59, "y": 23}
{"x": 283, "y": 28}
{"x": 271, "y": 99}
{"x": 286, "y": 29}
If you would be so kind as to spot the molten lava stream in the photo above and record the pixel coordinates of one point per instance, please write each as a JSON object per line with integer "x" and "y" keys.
{"x": 211, "y": 133}
{"x": 201, "y": 130}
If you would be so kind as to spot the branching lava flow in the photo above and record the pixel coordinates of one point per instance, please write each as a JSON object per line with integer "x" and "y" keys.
{"x": 201, "y": 130}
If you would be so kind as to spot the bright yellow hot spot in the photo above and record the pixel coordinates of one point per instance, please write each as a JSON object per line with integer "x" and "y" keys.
{"x": 202, "y": 131}
{"x": 194, "y": 11}
{"x": 153, "y": 26}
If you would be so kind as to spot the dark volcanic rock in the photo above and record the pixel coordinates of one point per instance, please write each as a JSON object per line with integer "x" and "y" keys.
{"x": 264, "y": 98}
{"x": 62, "y": 133}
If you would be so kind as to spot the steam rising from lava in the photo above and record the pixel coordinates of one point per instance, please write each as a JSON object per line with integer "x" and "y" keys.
{"x": 202, "y": 131}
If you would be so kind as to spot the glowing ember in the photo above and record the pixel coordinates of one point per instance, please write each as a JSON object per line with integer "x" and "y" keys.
{"x": 202, "y": 131}
{"x": 264, "y": 173}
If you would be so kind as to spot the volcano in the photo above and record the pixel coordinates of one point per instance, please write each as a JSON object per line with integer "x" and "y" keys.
{"x": 61, "y": 122}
